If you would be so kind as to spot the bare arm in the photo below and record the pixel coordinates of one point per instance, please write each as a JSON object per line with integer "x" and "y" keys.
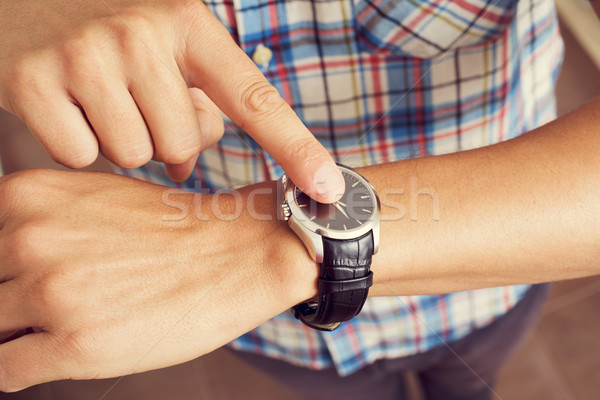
{"x": 114, "y": 288}
{"x": 522, "y": 211}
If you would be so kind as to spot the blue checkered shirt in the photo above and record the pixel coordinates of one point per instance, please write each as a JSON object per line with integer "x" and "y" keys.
{"x": 379, "y": 81}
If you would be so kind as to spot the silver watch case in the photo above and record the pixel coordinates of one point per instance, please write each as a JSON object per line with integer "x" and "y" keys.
{"x": 311, "y": 233}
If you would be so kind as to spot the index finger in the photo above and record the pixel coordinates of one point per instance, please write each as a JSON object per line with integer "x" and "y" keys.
{"x": 234, "y": 83}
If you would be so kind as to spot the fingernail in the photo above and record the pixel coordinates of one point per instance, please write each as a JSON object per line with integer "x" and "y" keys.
{"x": 329, "y": 183}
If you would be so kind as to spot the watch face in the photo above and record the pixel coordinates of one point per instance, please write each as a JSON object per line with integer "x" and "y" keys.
{"x": 356, "y": 206}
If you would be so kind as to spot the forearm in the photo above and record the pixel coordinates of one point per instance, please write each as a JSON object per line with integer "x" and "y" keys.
{"x": 521, "y": 211}
{"x": 199, "y": 270}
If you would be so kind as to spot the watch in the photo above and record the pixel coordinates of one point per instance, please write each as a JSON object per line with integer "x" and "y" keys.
{"x": 342, "y": 238}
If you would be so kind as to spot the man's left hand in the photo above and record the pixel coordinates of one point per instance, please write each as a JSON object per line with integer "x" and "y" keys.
{"x": 118, "y": 276}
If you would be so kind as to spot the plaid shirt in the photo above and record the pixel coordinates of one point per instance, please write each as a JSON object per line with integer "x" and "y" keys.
{"x": 379, "y": 81}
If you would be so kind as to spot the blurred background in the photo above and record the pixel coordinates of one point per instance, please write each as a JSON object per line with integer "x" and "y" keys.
{"x": 561, "y": 359}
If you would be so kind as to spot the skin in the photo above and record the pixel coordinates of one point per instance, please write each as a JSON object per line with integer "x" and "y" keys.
{"x": 520, "y": 211}
{"x": 121, "y": 281}
{"x": 120, "y": 276}
{"x": 142, "y": 79}
{"x": 115, "y": 278}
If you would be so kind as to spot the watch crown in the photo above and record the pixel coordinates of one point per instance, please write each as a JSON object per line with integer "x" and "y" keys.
{"x": 286, "y": 213}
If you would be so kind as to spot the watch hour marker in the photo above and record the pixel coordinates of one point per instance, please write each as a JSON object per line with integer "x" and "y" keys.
{"x": 301, "y": 205}
{"x": 328, "y": 225}
{"x": 365, "y": 210}
{"x": 364, "y": 197}
{"x": 345, "y": 227}
{"x": 360, "y": 222}
{"x": 355, "y": 183}
{"x": 312, "y": 218}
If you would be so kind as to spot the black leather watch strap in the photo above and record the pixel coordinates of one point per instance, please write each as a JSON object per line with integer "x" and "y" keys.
{"x": 343, "y": 284}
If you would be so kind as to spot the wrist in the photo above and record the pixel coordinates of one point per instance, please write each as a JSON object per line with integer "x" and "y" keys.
{"x": 297, "y": 271}
{"x": 288, "y": 269}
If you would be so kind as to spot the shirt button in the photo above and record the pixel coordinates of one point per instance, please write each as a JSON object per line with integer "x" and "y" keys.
{"x": 262, "y": 55}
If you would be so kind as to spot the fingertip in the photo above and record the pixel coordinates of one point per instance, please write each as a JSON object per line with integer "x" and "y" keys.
{"x": 80, "y": 157}
{"x": 181, "y": 172}
{"x": 129, "y": 156}
{"x": 327, "y": 184}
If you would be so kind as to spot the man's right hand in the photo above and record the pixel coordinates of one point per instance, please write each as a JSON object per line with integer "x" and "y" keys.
{"x": 140, "y": 79}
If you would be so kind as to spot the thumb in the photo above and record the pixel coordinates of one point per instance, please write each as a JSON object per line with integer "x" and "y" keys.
{"x": 211, "y": 129}
{"x": 29, "y": 360}
{"x": 233, "y": 82}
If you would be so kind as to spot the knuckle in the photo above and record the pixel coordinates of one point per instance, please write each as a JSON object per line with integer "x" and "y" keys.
{"x": 24, "y": 243}
{"x": 135, "y": 23}
{"x": 85, "y": 55}
{"x": 260, "y": 99}
{"x": 304, "y": 150}
{"x": 133, "y": 31}
{"x": 23, "y": 80}
{"x": 84, "y": 63}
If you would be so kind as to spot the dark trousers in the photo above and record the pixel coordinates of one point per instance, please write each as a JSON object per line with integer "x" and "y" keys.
{"x": 463, "y": 370}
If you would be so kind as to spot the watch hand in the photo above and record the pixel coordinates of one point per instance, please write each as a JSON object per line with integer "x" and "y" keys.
{"x": 339, "y": 202}
{"x": 341, "y": 209}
